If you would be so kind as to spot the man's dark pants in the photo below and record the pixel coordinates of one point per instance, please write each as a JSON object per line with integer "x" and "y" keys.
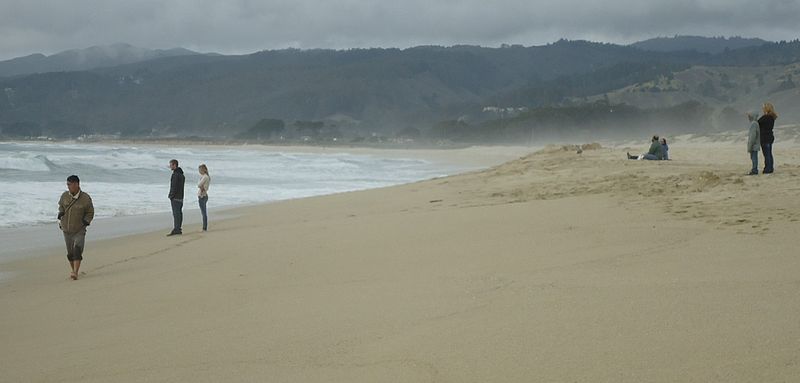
{"x": 74, "y": 242}
{"x": 177, "y": 215}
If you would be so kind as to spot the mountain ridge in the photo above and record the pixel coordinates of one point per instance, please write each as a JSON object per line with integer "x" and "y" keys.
{"x": 713, "y": 45}
{"x": 374, "y": 90}
{"x": 93, "y": 57}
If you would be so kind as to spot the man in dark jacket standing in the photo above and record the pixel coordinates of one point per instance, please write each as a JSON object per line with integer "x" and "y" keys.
{"x": 176, "y": 197}
{"x": 75, "y": 212}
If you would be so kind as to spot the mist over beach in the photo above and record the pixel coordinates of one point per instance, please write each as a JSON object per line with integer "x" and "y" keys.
{"x": 374, "y": 191}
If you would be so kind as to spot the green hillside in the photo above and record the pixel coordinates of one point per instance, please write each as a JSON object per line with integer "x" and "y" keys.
{"x": 364, "y": 92}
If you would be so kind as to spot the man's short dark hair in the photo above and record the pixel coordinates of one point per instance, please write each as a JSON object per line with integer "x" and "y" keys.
{"x": 173, "y": 162}
{"x": 73, "y": 179}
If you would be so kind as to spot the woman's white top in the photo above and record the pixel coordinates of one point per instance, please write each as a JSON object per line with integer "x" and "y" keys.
{"x": 202, "y": 185}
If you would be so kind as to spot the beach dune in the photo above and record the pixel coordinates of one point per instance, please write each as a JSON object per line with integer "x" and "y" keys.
{"x": 553, "y": 267}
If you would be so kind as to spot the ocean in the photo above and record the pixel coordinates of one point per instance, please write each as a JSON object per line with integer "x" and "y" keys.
{"x": 134, "y": 180}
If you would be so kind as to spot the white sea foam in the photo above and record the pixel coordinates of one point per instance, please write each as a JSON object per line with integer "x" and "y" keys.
{"x": 25, "y": 161}
{"x": 128, "y": 180}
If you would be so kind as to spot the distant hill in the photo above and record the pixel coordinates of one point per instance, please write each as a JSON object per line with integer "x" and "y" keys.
{"x": 365, "y": 91}
{"x": 700, "y": 44}
{"x": 730, "y": 91}
{"x": 379, "y": 89}
{"x": 85, "y": 59}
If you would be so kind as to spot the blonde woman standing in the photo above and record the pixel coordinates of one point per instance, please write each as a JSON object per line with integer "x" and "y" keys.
{"x": 765, "y": 125}
{"x": 202, "y": 193}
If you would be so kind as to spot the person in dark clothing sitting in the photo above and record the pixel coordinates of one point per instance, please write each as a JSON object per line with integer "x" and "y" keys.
{"x": 656, "y": 152}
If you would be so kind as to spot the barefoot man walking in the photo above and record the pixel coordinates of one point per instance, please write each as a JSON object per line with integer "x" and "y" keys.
{"x": 75, "y": 212}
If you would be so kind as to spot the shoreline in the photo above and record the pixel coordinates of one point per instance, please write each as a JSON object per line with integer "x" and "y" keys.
{"x": 47, "y": 240}
{"x": 459, "y": 152}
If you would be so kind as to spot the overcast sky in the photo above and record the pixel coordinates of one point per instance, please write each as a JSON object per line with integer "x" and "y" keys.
{"x": 245, "y": 26}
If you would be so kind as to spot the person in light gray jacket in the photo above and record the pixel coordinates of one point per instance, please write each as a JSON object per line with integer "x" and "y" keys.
{"x": 753, "y": 141}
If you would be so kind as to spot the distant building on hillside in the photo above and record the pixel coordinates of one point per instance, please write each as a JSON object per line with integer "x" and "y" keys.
{"x": 504, "y": 112}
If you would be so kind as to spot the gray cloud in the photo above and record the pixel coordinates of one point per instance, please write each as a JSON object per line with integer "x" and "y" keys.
{"x": 243, "y": 26}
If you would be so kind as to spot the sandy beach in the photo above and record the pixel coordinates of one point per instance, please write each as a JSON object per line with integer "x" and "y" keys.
{"x": 555, "y": 267}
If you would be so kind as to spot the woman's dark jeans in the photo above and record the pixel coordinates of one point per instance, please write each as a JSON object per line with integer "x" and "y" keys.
{"x": 769, "y": 162}
{"x": 203, "y": 201}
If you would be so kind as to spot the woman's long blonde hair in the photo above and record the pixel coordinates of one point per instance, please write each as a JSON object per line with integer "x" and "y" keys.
{"x": 204, "y": 169}
{"x": 769, "y": 110}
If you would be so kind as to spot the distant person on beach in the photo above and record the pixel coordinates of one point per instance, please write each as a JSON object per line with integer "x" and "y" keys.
{"x": 75, "y": 213}
{"x": 655, "y": 153}
{"x": 665, "y": 147}
{"x": 765, "y": 124}
{"x": 202, "y": 193}
{"x": 176, "y": 185}
{"x": 753, "y": 142}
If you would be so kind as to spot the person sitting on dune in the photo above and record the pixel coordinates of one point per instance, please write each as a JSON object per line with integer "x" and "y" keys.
{"x": 656, "y": 152}
{"x": 665, "y": 147}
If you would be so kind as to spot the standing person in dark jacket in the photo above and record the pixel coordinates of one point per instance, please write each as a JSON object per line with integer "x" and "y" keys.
{"x": 765, "y": 125}
{"x": 176, "y": 197}
{"x": 75, "y": 212}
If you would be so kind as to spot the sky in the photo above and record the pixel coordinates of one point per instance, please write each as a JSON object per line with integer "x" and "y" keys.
{"x": 246, "y": 26}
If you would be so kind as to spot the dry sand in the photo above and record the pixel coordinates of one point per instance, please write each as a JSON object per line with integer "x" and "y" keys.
{"x": 556, "y": 267}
